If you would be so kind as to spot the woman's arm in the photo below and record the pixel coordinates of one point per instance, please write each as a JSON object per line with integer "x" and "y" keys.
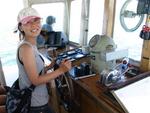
{"x": 27, "y": 56}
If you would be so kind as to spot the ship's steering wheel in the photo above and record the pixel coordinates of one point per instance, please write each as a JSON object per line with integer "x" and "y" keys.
{"x": 128, "y": 14}
{"x": 65, "y": 90}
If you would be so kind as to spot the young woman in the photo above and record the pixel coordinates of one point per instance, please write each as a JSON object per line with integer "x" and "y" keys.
{"x": 31, "y": 66}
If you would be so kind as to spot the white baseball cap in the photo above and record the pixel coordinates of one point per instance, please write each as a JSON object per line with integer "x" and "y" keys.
{"x": 27, "y": 14}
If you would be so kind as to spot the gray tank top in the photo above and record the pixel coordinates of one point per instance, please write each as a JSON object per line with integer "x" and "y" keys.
{"x": 40, "y": 94}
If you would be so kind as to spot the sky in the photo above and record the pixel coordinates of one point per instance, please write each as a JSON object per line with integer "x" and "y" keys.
{"x": 9, "y": 10}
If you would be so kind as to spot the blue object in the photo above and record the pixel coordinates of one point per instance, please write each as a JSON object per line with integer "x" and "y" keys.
{"x": 40, "y": 41}
{"x": 47, "y": 28}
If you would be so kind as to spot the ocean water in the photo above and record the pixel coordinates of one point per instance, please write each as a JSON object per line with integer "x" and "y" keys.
{"x": 8, "y": 45}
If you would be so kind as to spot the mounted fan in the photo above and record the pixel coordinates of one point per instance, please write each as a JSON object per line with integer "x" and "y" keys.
{"x": 129, "y": 16}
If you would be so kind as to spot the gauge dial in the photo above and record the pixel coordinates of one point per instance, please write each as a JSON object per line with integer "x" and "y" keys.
{"x": 94, "y": 40}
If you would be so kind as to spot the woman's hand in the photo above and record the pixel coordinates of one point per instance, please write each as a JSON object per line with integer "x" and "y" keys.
{"x": 65, "y": 65}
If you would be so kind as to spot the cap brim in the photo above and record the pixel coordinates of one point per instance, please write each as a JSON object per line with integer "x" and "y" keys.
{"x": 27, "y": 19}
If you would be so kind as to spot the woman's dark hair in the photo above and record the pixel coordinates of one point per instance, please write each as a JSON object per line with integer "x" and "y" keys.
{"x": 21, "y": 33}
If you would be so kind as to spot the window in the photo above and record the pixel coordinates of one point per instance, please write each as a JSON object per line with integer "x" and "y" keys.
{"x": 8, "y": 40}
{"x": 95, "y": 18}
{"x": 75, "y": 19}
{"x": 52, "y": 9}
{"x": 129, "y": 40}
